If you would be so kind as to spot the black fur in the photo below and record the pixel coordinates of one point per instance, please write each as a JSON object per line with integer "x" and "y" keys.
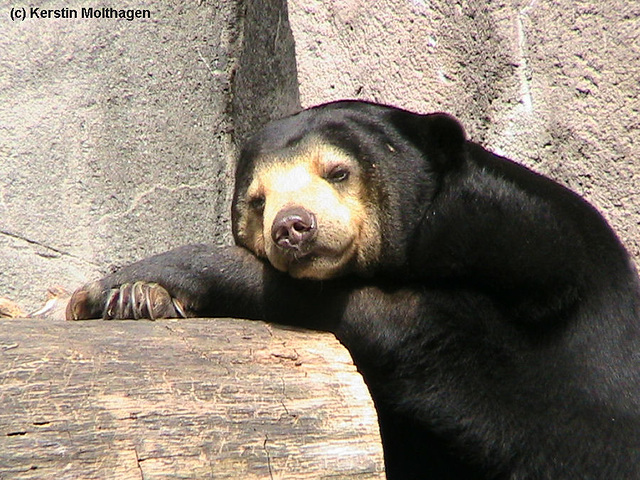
{"x": 499, "y": 333}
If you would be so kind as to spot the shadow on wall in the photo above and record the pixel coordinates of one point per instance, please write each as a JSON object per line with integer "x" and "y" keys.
{"x": 266, "y": 80}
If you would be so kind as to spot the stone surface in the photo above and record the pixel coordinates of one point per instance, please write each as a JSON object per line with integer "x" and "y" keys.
{"x": 551, "y": 85}
{"x": 117, "y": 137}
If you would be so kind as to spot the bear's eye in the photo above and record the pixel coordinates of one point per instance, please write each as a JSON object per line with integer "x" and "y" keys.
{"x": 257, "y": 203}
{"x": 337, "y": 174}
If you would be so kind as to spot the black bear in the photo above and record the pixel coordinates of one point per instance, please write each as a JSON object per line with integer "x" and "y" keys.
{"x": 492, "y": 312}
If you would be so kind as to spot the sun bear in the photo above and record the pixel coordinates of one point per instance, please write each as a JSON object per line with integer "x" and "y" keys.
{"x": 493, "y": 313}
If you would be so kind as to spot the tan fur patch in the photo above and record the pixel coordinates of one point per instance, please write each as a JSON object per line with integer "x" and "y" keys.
{"x": 348, "y": 234}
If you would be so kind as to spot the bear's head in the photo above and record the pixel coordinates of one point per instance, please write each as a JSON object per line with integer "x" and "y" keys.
{"x": 340, "y": 188}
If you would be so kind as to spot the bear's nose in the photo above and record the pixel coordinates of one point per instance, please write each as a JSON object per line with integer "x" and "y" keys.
{"x": 293, "y": 227}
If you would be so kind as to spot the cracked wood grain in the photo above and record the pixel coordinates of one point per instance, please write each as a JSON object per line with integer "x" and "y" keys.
{"x": 221, "y": 399}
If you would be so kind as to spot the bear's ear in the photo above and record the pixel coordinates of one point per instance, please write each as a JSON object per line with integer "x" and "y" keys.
{"x": 438, "y": 135}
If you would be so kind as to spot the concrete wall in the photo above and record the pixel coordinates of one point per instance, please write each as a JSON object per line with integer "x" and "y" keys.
{"x": 117, "y": 137}
{"x": 551, "y": 84}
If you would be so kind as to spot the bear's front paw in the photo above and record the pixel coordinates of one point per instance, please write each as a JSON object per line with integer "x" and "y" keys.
{"x": 127, "y": 301}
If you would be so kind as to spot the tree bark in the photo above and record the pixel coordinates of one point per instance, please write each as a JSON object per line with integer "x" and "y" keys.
{"x": 222, "y": 399}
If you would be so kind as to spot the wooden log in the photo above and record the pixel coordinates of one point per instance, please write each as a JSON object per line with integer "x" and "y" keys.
{"x": 223, "y": 399}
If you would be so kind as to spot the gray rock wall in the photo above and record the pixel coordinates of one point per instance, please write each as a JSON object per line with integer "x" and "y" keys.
{"x": 553, "y": 85}
{"x": 117, "y": 137}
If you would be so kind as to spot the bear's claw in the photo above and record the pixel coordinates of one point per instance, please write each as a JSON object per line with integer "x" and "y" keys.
{"x": 127, "y": 301}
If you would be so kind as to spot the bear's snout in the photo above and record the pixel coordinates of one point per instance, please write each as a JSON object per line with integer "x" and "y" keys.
{"x": 293, "y": 229}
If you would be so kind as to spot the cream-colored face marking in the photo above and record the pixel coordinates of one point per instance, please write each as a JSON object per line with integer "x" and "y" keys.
{"x": 283, "y": 179}
{"x": 327, "y": 183}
